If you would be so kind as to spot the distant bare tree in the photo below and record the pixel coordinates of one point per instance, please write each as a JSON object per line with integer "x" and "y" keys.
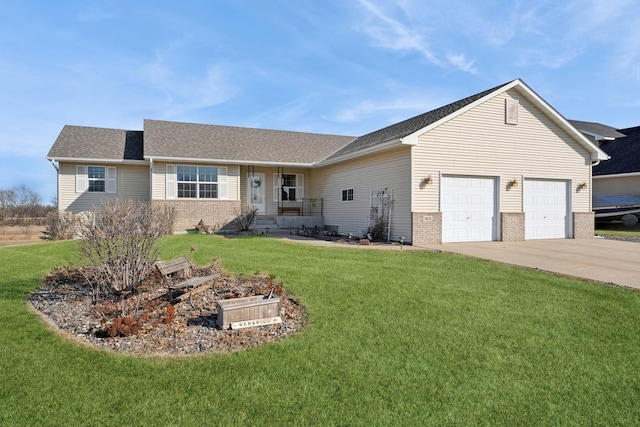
{"x": 20, "y": 204}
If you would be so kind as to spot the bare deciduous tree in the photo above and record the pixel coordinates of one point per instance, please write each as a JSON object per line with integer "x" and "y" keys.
{"x": 119, "y": 239}
{"x": 245, "y": 218}
{"x": 20, "y": 204}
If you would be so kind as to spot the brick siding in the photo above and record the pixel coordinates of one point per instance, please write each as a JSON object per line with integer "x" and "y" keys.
{"x": 583, "y": 225}
{"x": 214, "y": 213}
{"x": 427, "y": 228}
{"x": 512, "y": 226}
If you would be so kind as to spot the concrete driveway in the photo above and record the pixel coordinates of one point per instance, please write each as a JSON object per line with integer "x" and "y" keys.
{"x": 609, "y": 261}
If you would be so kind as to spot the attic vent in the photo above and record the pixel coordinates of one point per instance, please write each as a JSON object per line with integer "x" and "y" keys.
{"x": 511, "y": 111}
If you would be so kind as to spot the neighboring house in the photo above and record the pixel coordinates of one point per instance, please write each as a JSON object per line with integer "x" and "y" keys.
{"x": 616, "y": 183}
{"x": 498, "y": 165}
{"x": 597, "y": 132}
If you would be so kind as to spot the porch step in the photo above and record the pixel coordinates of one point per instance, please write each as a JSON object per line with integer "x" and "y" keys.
{"x": 265, "y": 221}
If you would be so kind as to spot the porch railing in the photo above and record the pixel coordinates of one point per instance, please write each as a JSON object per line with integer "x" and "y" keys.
{"x": 300, "y": 207}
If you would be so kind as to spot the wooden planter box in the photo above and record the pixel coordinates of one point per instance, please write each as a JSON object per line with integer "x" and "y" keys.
{"x": 247, "y": 308}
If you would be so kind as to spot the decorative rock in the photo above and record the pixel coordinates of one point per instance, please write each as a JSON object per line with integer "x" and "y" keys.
{"x": 65, "y": 302}
{"x": 365, "y": 242}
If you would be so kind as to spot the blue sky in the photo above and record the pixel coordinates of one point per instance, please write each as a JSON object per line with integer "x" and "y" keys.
{"x": 334, "y": 66}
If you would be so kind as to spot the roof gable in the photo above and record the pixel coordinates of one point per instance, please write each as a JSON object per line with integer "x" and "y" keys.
{"x": 173, "y": 140}
{"x": 407, "y": 131}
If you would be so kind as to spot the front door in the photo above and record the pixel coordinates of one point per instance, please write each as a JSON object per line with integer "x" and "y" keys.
{"x": 255, "y": 191}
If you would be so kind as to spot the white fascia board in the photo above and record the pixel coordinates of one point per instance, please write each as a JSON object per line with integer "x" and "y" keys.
{"x": 366, "y": 151}
{"x": 224, "y": 161}
{"x": 98, "y": 161}
{"x": 596, "y": 152}
{"x": 617, "y": 175}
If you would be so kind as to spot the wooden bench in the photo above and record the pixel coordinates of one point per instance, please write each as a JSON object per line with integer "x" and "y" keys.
{"x": 181, "y": 268}
{"x": 283, "y": 209}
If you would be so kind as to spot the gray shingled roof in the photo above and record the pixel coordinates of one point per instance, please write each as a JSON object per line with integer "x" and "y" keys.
{"x": 187, "y": 140}
{"x": 409, "y": 126}
{"x": 176, "y": 140}
{"x": 624, "y": 152}
{"x": 79, "y": 142}
{"x": 596, "y": 129}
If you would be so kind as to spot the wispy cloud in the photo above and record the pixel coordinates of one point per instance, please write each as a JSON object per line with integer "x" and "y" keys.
{"x": 95, "y": 13}
{"x": 401, "y": 34}
{"x": 394, "y": 108}
{"x": 462, "y": 63}
{"x": 391, "y": 34}
{"x": 182, "y": 94}
{"x": 615, "y": 26}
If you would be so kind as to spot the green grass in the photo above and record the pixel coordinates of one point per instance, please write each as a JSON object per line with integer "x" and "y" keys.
{"x": 616, "y": 229}
{"x": 630, "y": 233}
{"x": 393, "y": 338}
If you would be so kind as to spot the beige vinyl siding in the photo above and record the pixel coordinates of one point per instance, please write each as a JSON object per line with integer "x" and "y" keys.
{"x": 389, "y": 169}
{"x": 479, "y": 142}
{"x": 616, "y": 186}
{"x": 159, "y": 180}
{"x": 132, "y": 182}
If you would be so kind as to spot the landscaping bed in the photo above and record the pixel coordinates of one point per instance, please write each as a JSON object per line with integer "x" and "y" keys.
{"x": 153, "y": 322}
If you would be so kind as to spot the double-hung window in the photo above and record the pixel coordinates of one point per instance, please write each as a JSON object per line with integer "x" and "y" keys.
{"x": 97, "y": 178}
{"x": 288, "y": 186}
{"x": 197, "y": 182}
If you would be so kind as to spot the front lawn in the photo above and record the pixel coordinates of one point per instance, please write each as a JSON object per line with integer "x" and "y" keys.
{"x": 393, "y": 338}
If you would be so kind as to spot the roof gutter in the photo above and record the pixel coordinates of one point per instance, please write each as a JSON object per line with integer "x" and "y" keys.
{"x": 83, "y": 160}
{"x": 167, "y": 159}
{"x": 617, "y": 175}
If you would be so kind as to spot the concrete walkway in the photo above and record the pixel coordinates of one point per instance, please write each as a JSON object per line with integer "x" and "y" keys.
{"x": 603, "y": 260}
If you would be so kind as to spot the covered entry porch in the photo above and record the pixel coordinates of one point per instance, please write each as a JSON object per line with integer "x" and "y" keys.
{"x": 282, "y": 197}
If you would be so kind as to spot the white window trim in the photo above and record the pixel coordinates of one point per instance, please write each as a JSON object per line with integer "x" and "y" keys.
{"x": 82, "y": 179}
{"x": 171, "y": 183}
{"x": 353, "y": 196}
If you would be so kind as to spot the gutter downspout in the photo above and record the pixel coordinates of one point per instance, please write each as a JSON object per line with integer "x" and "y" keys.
{"x": 57, "y": 168}
{"x": 150, "y": 179}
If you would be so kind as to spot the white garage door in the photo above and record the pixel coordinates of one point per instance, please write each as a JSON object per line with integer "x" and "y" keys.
{"x": 468, "y": 209}
{"x": 545, "y": 209}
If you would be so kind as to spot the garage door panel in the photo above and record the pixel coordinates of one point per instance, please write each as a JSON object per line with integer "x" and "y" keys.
{"x": 468, "y": 209}
{"x": 546, "y": 209}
